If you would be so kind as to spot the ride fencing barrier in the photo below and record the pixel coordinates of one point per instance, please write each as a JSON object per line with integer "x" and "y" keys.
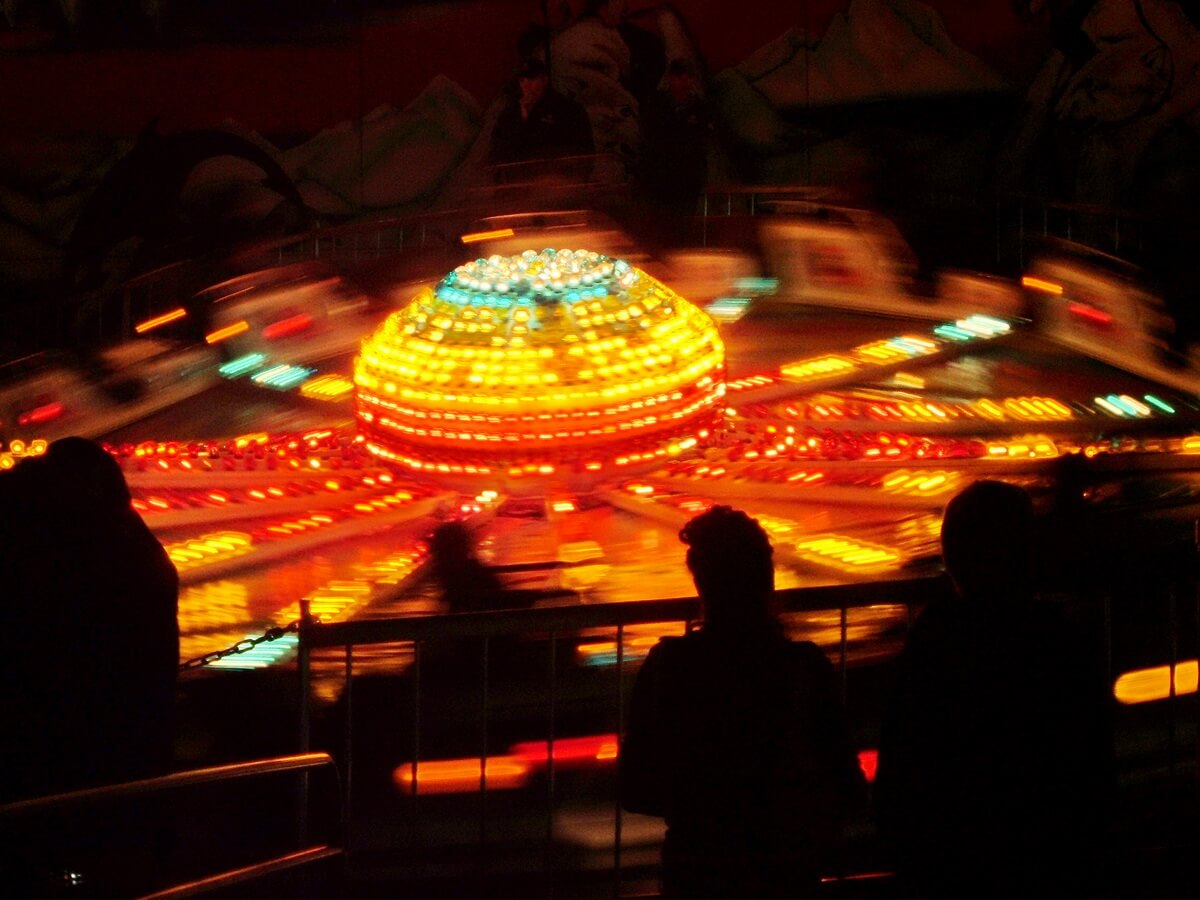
{"x": 489, "y": 756}
{"x": 493, "y": 755}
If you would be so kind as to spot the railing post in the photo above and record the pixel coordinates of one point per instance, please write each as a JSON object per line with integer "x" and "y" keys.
{"x": 1196, "y": 649}
{"x": 552, "y": 664}
{"x": 843, "y": 665}
{"x": 483, "y": 755}
{"x": 348, "y": 738}
{"x": 303, "y": 666}
{"x": 1172, "y": 693}
{"x": 414, "y": 818}
{"x": 617, "y": 821}
{"x": 303, "y": 660}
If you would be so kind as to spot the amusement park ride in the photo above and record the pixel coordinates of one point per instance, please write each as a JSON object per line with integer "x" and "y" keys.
{"x": 548, "y": 383}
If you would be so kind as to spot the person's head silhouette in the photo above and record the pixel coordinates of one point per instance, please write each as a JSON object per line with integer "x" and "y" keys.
{"x": 730, "y": 558}
{"x": 987, "y": 539}
{"x": 88, "y": 474}
{"x": 450, "y": 544}
{"x": 532, "y": 80}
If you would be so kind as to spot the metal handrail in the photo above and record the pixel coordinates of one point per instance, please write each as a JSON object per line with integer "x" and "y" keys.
{"x": 296, "y": 763}
{"x": 285, "y": 863}
{"x": 304, "y": 763}
{"x": 594, "y": 615}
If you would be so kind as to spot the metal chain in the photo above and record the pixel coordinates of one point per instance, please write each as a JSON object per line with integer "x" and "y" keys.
{"x": 242, "y": 646}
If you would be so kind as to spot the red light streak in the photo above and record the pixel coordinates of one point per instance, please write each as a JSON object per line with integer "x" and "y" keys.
{"x": 1090, "y": 314}
{"x": 868, "y": 761}
{"x": 284, "y": 327}
{"x": 40, "y": 414}
{"x": 589, "y": 749}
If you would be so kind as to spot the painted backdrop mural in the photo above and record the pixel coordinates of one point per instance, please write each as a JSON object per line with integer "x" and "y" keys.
{"x": 332, "y": 115}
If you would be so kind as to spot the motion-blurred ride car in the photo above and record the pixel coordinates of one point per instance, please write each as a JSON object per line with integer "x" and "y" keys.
{"x": 49, "y": 395}
{"x": 294, "y": 314}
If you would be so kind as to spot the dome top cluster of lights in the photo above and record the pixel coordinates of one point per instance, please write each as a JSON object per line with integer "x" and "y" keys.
{"x": 537, "y": 363}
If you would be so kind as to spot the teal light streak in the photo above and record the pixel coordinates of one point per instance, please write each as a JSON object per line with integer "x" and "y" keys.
{"x": 953, "y": 332}
{"x": 1161, "y": 404}
{"x": 235, "y": 368}
{"x": 1123, "y": 404}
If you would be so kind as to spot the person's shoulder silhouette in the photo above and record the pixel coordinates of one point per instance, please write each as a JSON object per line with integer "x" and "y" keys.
{"x": 991, "y": 762}
{"x": 92, "y": 607}
{"x": 89, "y": 661}
{"x": 736, "y": 735}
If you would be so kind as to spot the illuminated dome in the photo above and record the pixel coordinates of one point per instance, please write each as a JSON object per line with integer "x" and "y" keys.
{"x": 553, "y": 362}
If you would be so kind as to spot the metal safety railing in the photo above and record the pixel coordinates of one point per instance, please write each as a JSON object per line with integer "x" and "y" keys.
{"x": 15, "y": 818}
{"x": 1138, "y": 620}
{"x": 546, "y": 702}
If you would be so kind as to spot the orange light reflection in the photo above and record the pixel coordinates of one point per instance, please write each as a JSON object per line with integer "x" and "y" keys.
{"x": 452, "y": 776}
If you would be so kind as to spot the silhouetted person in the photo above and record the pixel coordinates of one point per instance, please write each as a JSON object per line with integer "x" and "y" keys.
{"x": 994, "y": 755}
{"x": 90, "y": 643}
{"x": 676, "y": 130}
{"x": 467, "y": 584}
{"x": 647, "y": 52}
{"x": 736, "y": 734}
{"x": 540, "y": 124}
{"x": 1069, "y": 533}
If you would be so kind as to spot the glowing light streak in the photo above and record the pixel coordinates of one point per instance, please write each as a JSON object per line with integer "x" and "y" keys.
{"x": 904, "y": 481}
{"x": 750, "y": 381}
{"x": 848, "y": 553}
{"x": 265, "y": 654}
{"x": 150, "y": 324}
{"x": 1000, "y": 409}
{"x": 235, "y": 368}
{"x": 327, "y": 387}
{"x": 1040, "y": 284}
{"x": 589, "y": 749}
{"x": 1161, "y": 404}
{"x": 453, "y": 776}
{"x": 223, "y": 334}
{"x": 818, "y": 367}
{"x": 868, "y": 761}
{"x": 983, "y": 326}
{"x": 283, "y": 376}
{"x": 756, "y": 285}
{"x": 1133, "y": 405}
{"x": 287, "y": 327}
{"x": 476, "y": 237}
{"x": 39, "y": 415}
{"x": 1146, "y": 685}
{"x": 1090, "y": 314}
{"x": 208, "y": 548}
{"x": 953, "y": 332}
{"x": 914, "y": 346}
{"x": 1027, "y": 447}
{"x": 728, "y": 309}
